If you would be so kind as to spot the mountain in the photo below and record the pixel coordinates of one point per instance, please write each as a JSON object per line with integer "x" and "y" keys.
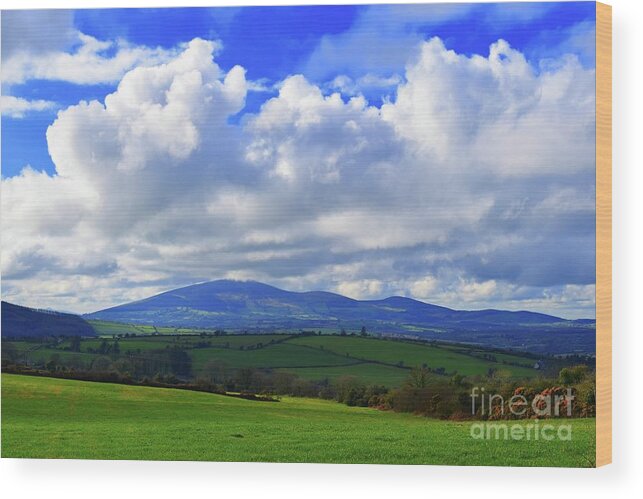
{"x": 19, "y": 322}
{"x": 250, "y": 305}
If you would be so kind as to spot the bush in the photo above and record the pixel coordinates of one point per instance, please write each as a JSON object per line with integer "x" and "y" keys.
{"x": 572, "y": 375}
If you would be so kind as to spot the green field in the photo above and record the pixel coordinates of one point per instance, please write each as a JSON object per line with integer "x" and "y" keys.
{"x": 43, "y": 354}
{"x": 500, "y": 356}
{"x": 54, "y": 418}
{"x": 313, "y": 357}
{"x": 409, "y": 354}
{"x": 282, "y": 355}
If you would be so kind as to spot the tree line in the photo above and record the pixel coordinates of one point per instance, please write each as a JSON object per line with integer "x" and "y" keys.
{"x": 423, "y": 393}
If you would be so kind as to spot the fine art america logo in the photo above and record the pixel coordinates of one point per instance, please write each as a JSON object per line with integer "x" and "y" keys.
{"x": 494, "y": 406}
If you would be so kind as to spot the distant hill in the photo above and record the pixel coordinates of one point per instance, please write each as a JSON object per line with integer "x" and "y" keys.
{"x": 20, "y": 322}
{"x": 250, "y": 305}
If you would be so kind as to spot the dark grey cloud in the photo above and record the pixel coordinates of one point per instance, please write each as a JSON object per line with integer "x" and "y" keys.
{"x": 36, "y": 31}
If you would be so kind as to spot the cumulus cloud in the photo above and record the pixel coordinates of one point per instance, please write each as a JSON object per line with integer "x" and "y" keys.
{"x": 303, "y": 136}
{"x": 473, "y": 186}
{"x": 497, "y": 110}
{"x": 16, "y": 107}
{"x": 127, "y": 170}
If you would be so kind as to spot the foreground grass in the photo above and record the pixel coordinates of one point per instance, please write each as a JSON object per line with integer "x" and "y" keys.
{"x": 54, "y": 418}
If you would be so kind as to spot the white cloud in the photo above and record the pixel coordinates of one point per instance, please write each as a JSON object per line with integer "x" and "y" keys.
{"x": 497, "y": 112}
{"x": 477, "y": 291}
{"x": 126, "y": 171}
{"x": 352, "y": 87}
{"x": 423, "y": 288}
{"x": 16, "y": 107}
{"x": 362, "y": 289}
{"x": 149, "y": 128}
{"x": 90, "y": 63}
{"x": 472, "y": 186}
{"x": 304, "y": 136}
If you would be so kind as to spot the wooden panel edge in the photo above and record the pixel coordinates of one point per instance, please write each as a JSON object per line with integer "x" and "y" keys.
{"x": 603, "y": 234}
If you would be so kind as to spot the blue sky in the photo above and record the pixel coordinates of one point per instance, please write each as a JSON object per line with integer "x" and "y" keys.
{"x": 440, "y": 151}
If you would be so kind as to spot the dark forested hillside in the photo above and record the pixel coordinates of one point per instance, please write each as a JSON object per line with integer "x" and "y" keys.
{"x": 20, "y": 322}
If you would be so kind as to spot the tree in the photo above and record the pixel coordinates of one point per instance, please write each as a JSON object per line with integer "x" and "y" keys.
{"x": 363, "y": 331}
{"x": 180, "y": 362}
{"x": 245, "y": 378}
{"x": 375, "y": 395}
{"x": 572, "y": 375}
{"x": 283, "y": 382}
{"x": 215, "y": 371}
{"x": 102, "y": 364}
{"x": 343, "y": 333}
{"x": 123, "y": 366}
{"x": 76, "y": 362}
{"x": 9, "y": 351}
{"x": 457, "y": 379}
{"x": 74, "y": 344}
{"x": 350, "y": 391}
{"x": 103, "y": 347}
{"x": 419, "y": 377}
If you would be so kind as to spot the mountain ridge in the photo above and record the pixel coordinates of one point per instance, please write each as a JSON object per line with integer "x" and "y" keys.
{"x": 251, "y": 306}
{"x": 247, "y": 304}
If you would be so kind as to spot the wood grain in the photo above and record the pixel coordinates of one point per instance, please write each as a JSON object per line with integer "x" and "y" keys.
{"x": 603, "y": 234}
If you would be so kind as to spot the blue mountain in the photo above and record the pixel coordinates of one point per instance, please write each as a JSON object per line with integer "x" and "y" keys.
{"x": 251, "y": 305}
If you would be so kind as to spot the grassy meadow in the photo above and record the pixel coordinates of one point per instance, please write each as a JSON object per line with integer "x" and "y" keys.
{"x": 400, "y": 353}
{"x": 56, "y": 418}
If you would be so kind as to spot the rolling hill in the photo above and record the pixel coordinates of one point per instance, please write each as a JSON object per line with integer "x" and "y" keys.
{"x": 250, "y": 305}
{"x": 20, "y": 322}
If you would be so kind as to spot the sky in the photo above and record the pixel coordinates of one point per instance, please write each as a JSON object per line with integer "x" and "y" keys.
{"x": 443, "y": 152}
